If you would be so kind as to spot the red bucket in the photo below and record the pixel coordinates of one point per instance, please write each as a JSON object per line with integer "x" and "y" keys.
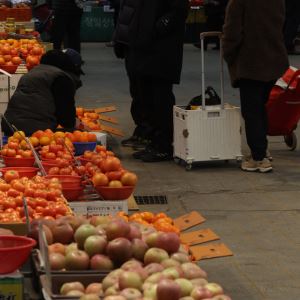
{"x": 18, "y": 162}
{"x": 111, "y": 193}
{"x": 23, "y": 171}
{"x": 14, "y": 251}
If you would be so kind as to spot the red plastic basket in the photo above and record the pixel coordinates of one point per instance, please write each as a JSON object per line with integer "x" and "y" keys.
{"x": 111, "y": 193}
{"x": 11, "y": 69}
{"x": 14, "y": 251}
{"x": 23, "y": 171}
{"x": 72, "y": 194}
{"x": 18, "y": 162}
{"x": 67, "y": 181}
{"x": 48, "y": 165}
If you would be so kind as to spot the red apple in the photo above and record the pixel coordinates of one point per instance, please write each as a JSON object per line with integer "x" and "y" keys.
{"x": 57, "y": 261}
{"x": 77, "y": 260}
{"x": 168, "y": 263}
{"x": 151, "y": 239}
{"x": 117, "y": 228}
{"x": 139, "y": 248}
{"x": 71, "y": 286}
{"x": 154, "y": 268}
{"x": 199, "y": 293}
{"x": 155, "y": 255}
{"x": 221, "y": 297}
{"x": 63, "y": 233}
{"x": 129, "y": 279}
{"x": 180, "y": 257}
{"x": 119, "y": 250}
{"x": 94, "y": 288}
{"x": 168, "y": 290}
{"x": 118, "y": 297}
{"x": 95, "y": 244}
{"x": 214, "y": 288}
{"x": 135, "y": 232}
{"x": 111, "y": 279}
{"x": 186, "y": 286}
{"x": 191, "y": 271}
{"x": 82, "y": 233}
{"x": 172, "y": 272}
{"x": 99, "y": 220}
{"x": 101, "y": 262}
{"x": 90, "y": 296}
{"x": 131, "y": 294}
{"x": 198, "y": 282}
{"x": 168, "y": 241}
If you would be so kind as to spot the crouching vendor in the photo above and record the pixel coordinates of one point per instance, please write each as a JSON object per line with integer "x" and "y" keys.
{"x": 44, "y": 97}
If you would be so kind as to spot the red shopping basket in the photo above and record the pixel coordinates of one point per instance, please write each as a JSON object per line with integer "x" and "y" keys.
{"x": 283, "y": 106}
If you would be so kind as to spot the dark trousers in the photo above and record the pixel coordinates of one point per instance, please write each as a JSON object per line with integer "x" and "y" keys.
{"x": 66, "y": 28}
{"x": 254, "y": 96}
{"x": 292, "y": 22}
{"x": 152, "y": 110}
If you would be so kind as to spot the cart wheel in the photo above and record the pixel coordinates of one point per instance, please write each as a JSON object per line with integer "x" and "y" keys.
{"x": 188, "y": 167}
{"x": 291, "y": 141}
{"x": 177, "y": 160}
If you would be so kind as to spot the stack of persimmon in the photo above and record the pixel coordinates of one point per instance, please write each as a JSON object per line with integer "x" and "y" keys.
{"x": 160, "y": 221}
{"x": 88, "y": 118}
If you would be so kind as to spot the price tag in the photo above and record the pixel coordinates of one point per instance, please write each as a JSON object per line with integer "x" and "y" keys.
{"x": 99, "y": 208}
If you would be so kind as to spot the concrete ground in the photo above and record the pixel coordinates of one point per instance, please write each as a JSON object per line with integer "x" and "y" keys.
{"x": 256, "y": 215}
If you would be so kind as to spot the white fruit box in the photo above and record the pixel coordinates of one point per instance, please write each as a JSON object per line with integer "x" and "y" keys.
{"x": 101, "y": 137}
{"x": 99, "y": 208}
{"x": 8, "y": 85}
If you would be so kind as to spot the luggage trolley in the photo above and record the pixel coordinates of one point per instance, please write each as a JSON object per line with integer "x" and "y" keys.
{"x": 209, "y": 133}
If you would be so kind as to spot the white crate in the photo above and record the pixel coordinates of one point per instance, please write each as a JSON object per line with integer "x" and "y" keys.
{"x": 4, "y": 91}
{"x": 207, "y": 135}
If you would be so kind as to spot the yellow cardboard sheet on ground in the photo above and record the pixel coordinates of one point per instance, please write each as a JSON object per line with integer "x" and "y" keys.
{"x": 189, "y": 220}
{"x": 212, "y": 250}
{"x": 198, "y": 237}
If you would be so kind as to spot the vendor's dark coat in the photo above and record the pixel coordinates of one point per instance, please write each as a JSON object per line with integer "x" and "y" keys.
{"x": 253, "y": 40}
{"x": 152, "y": 32}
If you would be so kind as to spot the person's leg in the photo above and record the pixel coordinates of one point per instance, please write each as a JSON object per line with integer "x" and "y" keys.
{"x": 73, "y": 32}
{"x": 161, "y": 119}
{"x": 58, "y": 31}
{"x": 254, "y": 95}
{"x": 291, "y": 23}
{"x": 140, "y": 92}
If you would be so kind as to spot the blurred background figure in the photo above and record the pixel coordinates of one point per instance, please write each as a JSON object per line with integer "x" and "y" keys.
{"x": 66, "y": 23}
{"x": 115, "y": 4}
{"x": 292, "y": 22}
{"x": 215, "y": 13}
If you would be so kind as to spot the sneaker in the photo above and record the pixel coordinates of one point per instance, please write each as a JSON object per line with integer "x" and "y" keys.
{"x": 155, "y": 156}
{"x": 139, "y": 154}
{"x": 130, "y": 141}
{"x": 141, "y": 144}
{"x": 252, "y": 165}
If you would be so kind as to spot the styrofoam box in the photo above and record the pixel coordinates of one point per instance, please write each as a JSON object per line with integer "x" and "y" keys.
{"x": 4, "y": 93}
{"x": 207, "y": 135}
{"x": 101, "y": 137}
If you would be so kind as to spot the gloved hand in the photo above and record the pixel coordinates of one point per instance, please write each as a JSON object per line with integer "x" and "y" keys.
{"x": 119, "y": 50}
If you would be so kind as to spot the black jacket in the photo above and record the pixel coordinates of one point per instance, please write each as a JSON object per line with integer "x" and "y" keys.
{"x": 152, "y": 34}
{"x": 44, "y": 98}
{"x": 64, "y": 7}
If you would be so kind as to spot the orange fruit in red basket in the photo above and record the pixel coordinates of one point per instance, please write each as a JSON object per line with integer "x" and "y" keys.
{"x": 45, "y": 140}
{"x": 2, "y": 61}
{"x": 16, "y": 60}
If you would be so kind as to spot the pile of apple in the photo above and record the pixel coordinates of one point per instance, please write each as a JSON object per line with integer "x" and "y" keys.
{"x": 144, "y": 263}
{"x": 89, "y": 118}
{"x": 43, "y": 197}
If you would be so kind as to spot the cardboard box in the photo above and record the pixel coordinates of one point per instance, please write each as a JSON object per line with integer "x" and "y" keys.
{"x": 11, "y": 286}
{"x": 101, "y": 137}
{"x": 16, "y": 228}
{"x": 8, "y": 85}
{"x": 99, "y": 208}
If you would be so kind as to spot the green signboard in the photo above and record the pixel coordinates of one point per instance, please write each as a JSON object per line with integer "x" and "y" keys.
{"x": 97, "y": 25}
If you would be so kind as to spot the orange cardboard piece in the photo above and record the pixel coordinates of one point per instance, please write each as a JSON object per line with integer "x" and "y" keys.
{"x": 198, "y": 237}
{"x": 210, "y": 251}
{"x": 108, "y": 119}
{"x": 105, "y": 109}
{"x": 189, "y": 220}
{"x": 111, "y": 130}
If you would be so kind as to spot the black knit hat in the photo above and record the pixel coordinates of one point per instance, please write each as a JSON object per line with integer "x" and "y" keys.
{"x": 61, "y": 60}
